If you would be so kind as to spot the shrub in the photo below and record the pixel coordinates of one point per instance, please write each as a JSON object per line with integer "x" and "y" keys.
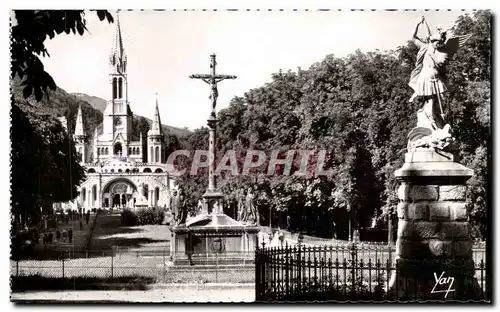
{"x": 129, "y": 218}
{"x": 150, "y": 216}
{"x": 142, "y": 216}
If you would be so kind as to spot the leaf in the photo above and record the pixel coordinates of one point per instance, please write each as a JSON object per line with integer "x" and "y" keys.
{"x": 80, "y": 29}
{"x": 38, "y": 93}
{"x": 27, "y": 90}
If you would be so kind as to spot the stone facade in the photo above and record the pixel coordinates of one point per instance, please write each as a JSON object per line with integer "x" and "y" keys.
{"x": 122, "y": 170}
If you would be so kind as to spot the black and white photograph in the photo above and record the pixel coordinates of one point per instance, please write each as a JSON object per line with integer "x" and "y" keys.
{"x": 250, "y": 156}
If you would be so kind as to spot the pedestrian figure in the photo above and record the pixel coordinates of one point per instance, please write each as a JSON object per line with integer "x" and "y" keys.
{"x": 81, "y": 225}
{"x": 70, "y": 235}
{"x": 51, "y": 237}
{"x": 58, "y": 235}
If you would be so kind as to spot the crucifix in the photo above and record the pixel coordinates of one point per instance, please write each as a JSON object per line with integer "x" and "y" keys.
{"x": 212, "y": 197}
{"x": 212, "y": 79}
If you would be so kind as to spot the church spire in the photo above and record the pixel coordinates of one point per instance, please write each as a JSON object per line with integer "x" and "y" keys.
{"x": 156, "y": 126}
{"x": 79, "y": 128}
{"x": 155, "y": 138}
{"x": 118, "y": 58}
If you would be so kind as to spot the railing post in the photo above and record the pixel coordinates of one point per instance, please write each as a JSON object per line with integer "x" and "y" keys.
{"x": 388, "y": 278}
{"x": 353, "y": 268}
{"x": 112, "y": 264}
{"x": 17, "y": 268}
{"x": 257, "y": 273}
{"x": 315, "y": 263}
{"x": 164, "y": 265}
{"x": 299, "y": 270}
{"x": 481, "y": 266}
{"x": 63, "y": 264}
{"x": 287, "y": 276}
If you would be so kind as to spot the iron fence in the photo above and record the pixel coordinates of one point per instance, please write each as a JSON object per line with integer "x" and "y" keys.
{"x": 350, "y": 272}
{"x": 154, "y": 263}
{"x": 146, "y": 262}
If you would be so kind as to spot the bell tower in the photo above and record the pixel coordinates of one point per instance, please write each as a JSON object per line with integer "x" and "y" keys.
{"x": 118, "y": 114}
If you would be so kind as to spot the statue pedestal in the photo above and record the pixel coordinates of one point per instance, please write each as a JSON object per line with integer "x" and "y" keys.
{"x": 212, "y": 199}
{"x": 141, "y": 203}
{"x": 213, "y": 239}
{"x": 433, "y": 232}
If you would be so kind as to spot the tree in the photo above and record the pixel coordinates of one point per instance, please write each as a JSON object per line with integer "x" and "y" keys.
{"x": 44, "y": 164}
{"x": 31, "y": 29}
{"x": 44, "y": 160}
{"x": 356, "y": 108}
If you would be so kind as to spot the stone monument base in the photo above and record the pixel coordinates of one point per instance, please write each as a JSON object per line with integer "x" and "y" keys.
{"x": 434, "y": 246}
{"x": 213, "y": 239}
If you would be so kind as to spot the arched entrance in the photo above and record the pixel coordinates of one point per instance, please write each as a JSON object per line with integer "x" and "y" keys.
{"x": 119, "y": 200}
{"x": 117, "y": 150}
{"x": 118, "y": 194}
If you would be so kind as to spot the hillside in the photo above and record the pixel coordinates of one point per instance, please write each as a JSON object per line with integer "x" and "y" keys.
{"x": 96, "y": 102}
{"x": 61, "y": 103}
{"x": 100, "y": 104}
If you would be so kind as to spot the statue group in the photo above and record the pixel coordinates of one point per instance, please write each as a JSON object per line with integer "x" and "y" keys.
{"x": 178, "y": 206}
{"x": 247, "y": 212}
{"x": 428, "y": 83}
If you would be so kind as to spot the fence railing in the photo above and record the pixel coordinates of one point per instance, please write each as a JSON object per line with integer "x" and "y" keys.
{"x": 148, "y": 262}
{"x": 95, "y": 264}
{"x": 341, "y": 272}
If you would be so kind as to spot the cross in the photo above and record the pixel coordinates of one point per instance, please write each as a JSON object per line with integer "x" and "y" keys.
{"x": 212, "y": 79}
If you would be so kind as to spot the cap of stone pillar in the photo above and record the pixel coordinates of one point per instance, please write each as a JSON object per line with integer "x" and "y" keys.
{"x": 433, "y": 168}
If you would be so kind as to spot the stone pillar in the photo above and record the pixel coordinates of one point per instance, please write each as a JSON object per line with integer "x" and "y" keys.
{"x": 212, "y": 195}
{"x": 99, "y": 197}
{"x": 433, "y": 233}
{"x": 212, "y": 124}
{"x": 89, "y": 198}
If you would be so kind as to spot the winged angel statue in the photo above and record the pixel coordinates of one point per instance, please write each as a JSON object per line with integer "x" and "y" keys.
{"x": 427, "y": 81}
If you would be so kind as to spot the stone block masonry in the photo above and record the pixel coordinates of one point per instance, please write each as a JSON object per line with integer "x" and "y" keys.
{"x": 433, "y": 231}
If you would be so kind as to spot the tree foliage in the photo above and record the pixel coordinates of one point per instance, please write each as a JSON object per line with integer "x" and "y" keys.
{"x": 45, "y": 166}
{"x": 28, "y": 34}
{"x": 357, "y": 108}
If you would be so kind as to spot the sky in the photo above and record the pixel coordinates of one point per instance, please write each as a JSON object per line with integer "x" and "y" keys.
{"x": 165, "y": 47}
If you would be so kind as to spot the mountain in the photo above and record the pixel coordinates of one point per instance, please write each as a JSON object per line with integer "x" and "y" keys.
{"x": 60, "y": 103}
{"x": 96, "y": 102}
{"x": 100, "y": 104}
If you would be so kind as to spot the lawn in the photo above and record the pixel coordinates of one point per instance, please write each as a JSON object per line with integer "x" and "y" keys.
{"x": 109, "y": 234}
{"x": 114, "y": 250}
{"x": 118, "y": 251}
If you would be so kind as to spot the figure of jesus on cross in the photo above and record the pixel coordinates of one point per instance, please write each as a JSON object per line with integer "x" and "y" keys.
{"x": 212, "y": 79}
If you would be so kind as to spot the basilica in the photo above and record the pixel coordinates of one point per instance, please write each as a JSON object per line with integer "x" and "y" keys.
{"x": 120, "y": 171}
